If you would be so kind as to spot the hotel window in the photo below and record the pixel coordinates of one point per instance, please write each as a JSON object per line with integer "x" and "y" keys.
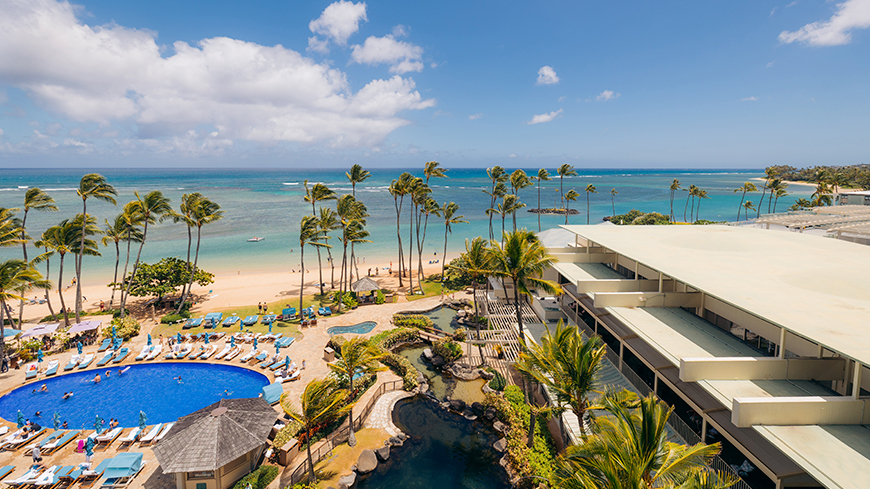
{"x": 205, "y": 474}
{"x": 201, "y": 485}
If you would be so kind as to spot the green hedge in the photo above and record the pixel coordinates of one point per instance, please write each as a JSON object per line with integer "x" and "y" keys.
{"x": 399, "y": 364}
{"x": 412, "y": 321}
{"x": 259, "y": 478}
{"x": 335, "y": 342}
{"x": 285, "y": 434}
{"x": 125, "y": 328}
{"x": 498, "y": 383}
{"x": 448, "y": 349}
{"x": 173, "y": 317}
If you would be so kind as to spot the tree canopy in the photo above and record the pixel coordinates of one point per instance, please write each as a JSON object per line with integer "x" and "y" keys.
{"x": 164, "y": 277}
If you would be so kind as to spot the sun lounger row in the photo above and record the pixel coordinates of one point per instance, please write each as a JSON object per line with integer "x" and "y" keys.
{"x": 119, "y": 472}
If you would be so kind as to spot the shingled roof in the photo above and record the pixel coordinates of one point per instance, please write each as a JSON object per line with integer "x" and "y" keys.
{"x": 364, "y": 284}
{"x": 215, "y": 435}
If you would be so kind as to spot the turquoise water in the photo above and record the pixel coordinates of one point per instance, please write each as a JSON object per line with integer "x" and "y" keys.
{"x": 153, "y": 389}
{"x": 268, "y": 203}
{"x": 443, "y": 318}
{"x": 361, "y": 328}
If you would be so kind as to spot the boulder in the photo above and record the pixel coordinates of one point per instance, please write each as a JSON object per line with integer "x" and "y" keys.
{"x": 462, "y": 372}
{"x": 402, "y": 436}
{"x": 438, "y": 361}
{"x": 427, "y": 353}
{"x": 478, "y": 408}
{"x": 423, "y": 387}
{"x": 421, "y": 378}
{"x": 347, "y": 481}
{"x": 469, "y": 415}
{"x": 499, "y": 426}
{"x": 490, "y": 414}
{"x": 486, "y": 374}
{"x": 395, "y": 441}
{"x": 383, "y": 453}
{"x": 457, "y": 405}
{"x": 367, "y": 462}
{"x": 500, "y": 445}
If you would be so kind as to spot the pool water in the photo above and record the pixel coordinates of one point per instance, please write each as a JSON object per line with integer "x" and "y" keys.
{"x": 444, "y": 450}
{"x": 440, "y": 385}
{"x": 153, "y": 389}
{"x": 443, "y": 318}
{"x": 361, "y": 328}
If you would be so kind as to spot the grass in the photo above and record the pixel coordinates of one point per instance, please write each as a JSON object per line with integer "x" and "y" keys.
{"x": 344, "y": 457}
{"x": 430, "y": 289}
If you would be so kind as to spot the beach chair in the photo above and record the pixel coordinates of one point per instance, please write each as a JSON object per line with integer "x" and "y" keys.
{"x": 212, "y": 319}
{"x": 154, "y": 353}
{"x": 234, "y": 352}
{"x": 19, "y": 442}
{"x": 9, "y": 438}
{"x": 52, "y": 368}
{"x": 269, "y": 361}
{"x": 106, "y": 358}
{"x": 208, "y": 352}
{"x": 5, "y": 471}
{"x": 58, "y": 443}
{"x": 251, "y": 320}
{"x": 43, "y": 442}
{"x": 26, "y": 479}
{"x": 73, "y": 361}
{"x": 229, "y": 321}
{"x": 184, "y": 351}
{"x": 106, "y": 439}
{"x": 223, "y": 352}
{"x": 249, "y": 355}
{"x": 131, "y": 437}
{"x": 288, "y": 314}
{"x": 261, "y": 356}
{"x": 144, "y": 353}
{"x": 72, "y": 477}
{"x": 96, "y": 473}
{"x": 122, "y": 354}
{"x": 48, "y": 478}
{"x": 86, "y": 362}
{"x": 151, "y": 435}
{"x": 166, "y": 428}
{"x": 122, "y": 469}
{"x": 104, "y": 345}
{"x": 30, "y": 371}
{"x": 55, "y": 481}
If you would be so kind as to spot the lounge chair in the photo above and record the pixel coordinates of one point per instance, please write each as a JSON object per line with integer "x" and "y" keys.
{"x": 109, "y": 437}
{"x": 55, "y": 480}
{"x": 208, "y": 352}
{"x": 288, "y": 314}
{"x": 277, "y": 365}
{"x": 48, "y": 439}
{"x": 58, "y": 443}
{"x": 108, "y": 356}
{"x": 212, "y": 319}
{"x": 122, "y": 469}
{"x": 247, "y": 356}
{"x": 268, "y": 319}
{"x": 269, "y": 361}
{"x": 104, "y": 345}
{"x": 122, "y": 354}
{"x": 73, "y": 361}
{"x": 223, "y": 352}
{"x": 27, "y": 478}
{"x": 52, "y": 368}
{"x": 154, "y": 353}
{"x": 49, "y": 477}
{"x": 234, "y": 352}
{"x": 30, "y": 371}
{"x": 285, "y": 342}
{"x": 96, "y": 473}
{"x": 261, "y": 356}
{"x": 144, "y": 353}
{"x": 73, "y": 476}
{"x": 86, "y": 362}
{"x": 292, "y": 375}
{"x": 151, "y": 435}
{"x": 5, "y": 471}
{"x": 185, "y": 350}
{"x": 251, "y": 320}
{"x": 192, "y": 323}
{"x": 229, "y": 321}
{"x": 10, "y": 437}
{"x": 131, "y": 437}
{"x": 166, "y": 428}
{"x": 17, "y": 443}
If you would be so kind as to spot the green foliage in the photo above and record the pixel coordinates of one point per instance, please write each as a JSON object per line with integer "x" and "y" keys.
{"x": 303, "y": 485}
{"x": 125, "y": 328}
{"x": 412, "y": 321}
{"x": 498, "y": 383}
{"x": 399, "y": 364}
{"x": 259, "y": 478}
{"x": 335, "y": 342}
{"x": 28, "y": 349}
{"x": 854, "y": 176}
{"x": 172, "y": 317}
{"x": 164, "y": 277}
{"x": 380, "y": 298}
{"x": 456, "y": 276}
{"x": 704, "y": 222}
{"x": 449, "y": 349}
{"x": 459, "y": 334}
{"x": 287, "y": 433}
{"x": 635, "y": 217}
{"x": 349, "y": 301}
{"x": 390, "y": 338}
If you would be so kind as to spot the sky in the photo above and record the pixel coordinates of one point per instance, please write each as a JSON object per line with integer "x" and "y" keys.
{"x": 298, "y": 84}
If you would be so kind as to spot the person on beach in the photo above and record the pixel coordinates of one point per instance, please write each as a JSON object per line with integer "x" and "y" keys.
{"x": 102, "y": 306}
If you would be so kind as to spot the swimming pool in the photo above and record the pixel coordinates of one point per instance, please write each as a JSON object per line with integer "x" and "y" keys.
{"x": 153, "y": 389}
{"x": 361, "y": 328}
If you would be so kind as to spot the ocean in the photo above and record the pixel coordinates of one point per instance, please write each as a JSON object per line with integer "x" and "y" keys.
{"x": 269, "y": 203}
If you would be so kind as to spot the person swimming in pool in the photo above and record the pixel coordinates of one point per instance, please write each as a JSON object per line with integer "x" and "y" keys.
{"x": 67, "y": 395}
{"x": 178, "y": 379}
{"x": 107, "y": 373}
{"x": 97, "y": 379}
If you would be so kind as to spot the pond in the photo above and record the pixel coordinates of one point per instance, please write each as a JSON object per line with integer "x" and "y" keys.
{"x": 444, "y": 318}
{"x": 440, "y": 385}
{"x": 443, "y": 450}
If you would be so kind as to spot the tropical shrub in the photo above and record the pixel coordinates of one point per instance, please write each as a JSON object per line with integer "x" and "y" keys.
{"x": 498, "y": 382}
{"x": 125, "y": 328}
{"x": 172, "y": 317}
{"x": 390, "y": 338}
{"x": 380, "y": 298}
{"x": 448, "y": 349}
{"x": 459, "y": 334}
{"x": 27, "y": 350}
{"x": 349, "y": 301}
{"x": 335, "y": 342}
{"x": 287, "y": 433}
{"x": 412, "y": 321}
{"x": 399, "y": 364}
{"x": 259, "y": 478}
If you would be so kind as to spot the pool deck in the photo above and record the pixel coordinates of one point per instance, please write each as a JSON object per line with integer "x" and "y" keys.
{"x": 309, "y": 348}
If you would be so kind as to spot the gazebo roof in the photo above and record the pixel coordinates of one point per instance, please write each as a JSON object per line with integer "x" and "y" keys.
{"x": 215, "y": 435}
{"x": 365, "y": 284}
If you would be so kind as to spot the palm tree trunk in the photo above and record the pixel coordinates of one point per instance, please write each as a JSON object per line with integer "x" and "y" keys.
{"x": 60, "y": 292}
{"x": 763, "y": 192}
{"x": 539, "y": 205}
{"x": 2, "y": 330}
{"x": 613, "y": 204}
{"x": 124, "y": 276}
{"x": 502, "y": 223}
{"x": 561, "y": 191}
{"x": 519, "y": 315}
{"x": 741, "y": 205}
{"x": 351, "y": 436}
{"x": 332, "y": 265}
{"x": 444, "y": 255}
{"x": 514, "y": 218}
{"x": 532, "y": 422}
{"x": 24, "y": 248}
{"x": 411, "y": 250}
{"x": 774, "y": 203}
{"x": 184, "y": 288}
{"x": 587, "y": 208}
{"x": 311, "y": 477}
{"x": 115, "y": 280}
{"x": 195, "y": 263}
{"x": 399, "y": 237}
{"x": 672, "y": 206}
{"x": 566, "y": 212}
{"x": 78, "y": 262}
{"x": 686, "y": 208}
{"x": 302, "y": 280}
{"x": 138, "y": 257}
{"x": 47, "y": 295}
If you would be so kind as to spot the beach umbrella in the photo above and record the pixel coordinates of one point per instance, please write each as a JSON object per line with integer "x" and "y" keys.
{"x": 113, "y": 331}
{"x": 79, "y": 346}
{"x": 149, "y": 339}
{"x": 287, "y": 362}
{"x": 142, "y": 420}
{"x": 20, "y": 419}
{"x": 56, "y": 420}
{"x": 277, "y": 348}
{"x": 89, "y": 447}
{"x": 232, "y": 341}
{"x": 241, "y": 327}
{"x": 206, "y": 338}
{"x": 270, "y": 327}
{"x": 39, "y": 355}
{"x": 117, "y": 343}
{"x": 98, "y": 424}
{"x": 178, "y": 337}
{"x": 255, "y": 343}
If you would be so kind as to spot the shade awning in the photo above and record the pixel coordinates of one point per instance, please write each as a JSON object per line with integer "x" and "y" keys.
{"x": 84, "y": 326}
{"x": 364, "y": 284}
{"x": 41, "y": 330}
{"x": 123, "y": 465}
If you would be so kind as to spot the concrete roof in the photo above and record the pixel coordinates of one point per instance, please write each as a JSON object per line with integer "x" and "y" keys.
{"x": 813, "y": 286}
{"x": 726, "y": 390}
{"x": 587, "y": 271}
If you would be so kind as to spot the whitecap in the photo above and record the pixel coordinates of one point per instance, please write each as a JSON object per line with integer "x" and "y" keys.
{"x": 23, "y": 186}
{"x": 290, "y": 183}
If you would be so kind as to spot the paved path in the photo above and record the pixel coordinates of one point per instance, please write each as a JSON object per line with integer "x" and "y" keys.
{"x": 382, "y": 414}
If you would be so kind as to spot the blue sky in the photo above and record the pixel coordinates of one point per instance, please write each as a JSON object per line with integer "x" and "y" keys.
{"x": 740, "y": 84}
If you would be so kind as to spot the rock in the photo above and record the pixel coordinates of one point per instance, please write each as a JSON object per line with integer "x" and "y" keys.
{"x": 500, "y": 445}
{"x": 504, "y": 462}
{"x": 367, "y": 462}
{"x": 427, "y": 353}
{"x": 347, "y": 481}
{"x": 395, "y": 441}
{"x": 462, "y": 372}
{"x": 383, "y": 453}
{"x": 499, "y": 426}
{"x": 423, "y": 387}
{"x": 438, "y": 361}
{"x": 402, "y": 436}
{"x": 486, "y": 374}
{"x": 478, "y": 408}
{"x": 421, "y": 378}
{"x": 490, "y": 414}
{"x": 469, "y": 415}
{"x": 457, "y": 405}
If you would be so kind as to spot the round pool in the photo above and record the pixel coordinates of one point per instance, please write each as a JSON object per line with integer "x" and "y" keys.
{"x": 153, "y": 388}
{"x": 361, "y": 328}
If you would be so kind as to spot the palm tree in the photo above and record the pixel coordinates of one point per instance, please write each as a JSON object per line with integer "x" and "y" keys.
{"x": 415, "y": 191}
{"x": 321, "y": 403}
{"x": 9, "y": 228}
{"x": 778, "y": 188}
{"x": 702, "y": 194}
{"x": 475, "y": 262}
{"x": 690, "y": 195}
{"x": 519, "y": 180}
{"x": 92, "y": 185}
{"x": 153, "y": 208}
{"x": 47, "y": 253}
{"x": 746, "y": 187}
{"x": 115, "y": 232}
{"x": 132, "y": 221}
{"x": 399, "y": 189}
{"x": 748, "y": 206}
{"x": 613, "y": 193}
{"x": 17, "y": 277}
{"x": 565, "y": 170}
{"x": 204, "y": 211}
{"x": 590, "y": 189}
{"x": 357, "y": 175}
{"x": 630, "y": 449}
{"x": 37, "y": 200}
{"x": 570, "y": 196}
{"x": 357, "y": 357}
{"x": 822, "y": 195}
{"x": 352, "y": 214}
{"x": 508, "y": 205}
{"x": 543, "y": 176}
{"x": 522, "y": 258}
{"x": 770, "y": 173}
{"x": 427, "y": 205}
{"x": 567, "y": 365}
{"x": 66, "y": 238}
{"x": 837, "y": 181}
{"x": 319, "y": 192}
{"x": 448, "y": 212}
{"x": 309, "y": 234}
{"x": 675, "y": 185}
{"x": 328, "y": 223}
{"x": 433, "y": 169}
{"x": 497, "y": 176}
{"x": 185, "y": 215}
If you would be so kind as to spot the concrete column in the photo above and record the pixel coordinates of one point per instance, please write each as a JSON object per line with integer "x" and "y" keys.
{"x": 703, "y": 429}
{"x": 621, "y": 351}
{"x": 661, "y": 282}
{"x": 856, "y": 381}
{"x": 782, "y": 343}
{"x": 636, "y": 268}
{"x": 656, "y": 383}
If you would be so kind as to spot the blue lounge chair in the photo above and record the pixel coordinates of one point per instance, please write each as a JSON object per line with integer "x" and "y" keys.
{"x": 268, "y": 319}
{"x": 262, "y": 356}
{"x": 212, "y": 319}
{"x": 265, "y": 364}
{"x": 62, "y": 441}
{"x": 86, "y": 362}
{"x": 48, "y": 439}
{"x": 272, "y": 393}
{"x": 122, "y": 469}
{"x": 92, "y": 475}
{"x": 73, "y": 476}
{"x": 104, "y": 345}
{"x": 105, "y": 359}
{"x": 122, "y": 354}
{"x": 251, "y": 320}
{"x": 276, "y": 365}
{"x": 192, "y": 323}
{"x": 5, "y": 471}
{"x": 73, "y": 361}
{"x": 31, "y": 374}
{"x": 52, "y": 370}
{"x": 285, "y": 342}
{"x": 288, "y": 313}
{"x": 229, "y": 321}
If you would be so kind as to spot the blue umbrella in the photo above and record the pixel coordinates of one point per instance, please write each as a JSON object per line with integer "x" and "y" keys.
{"x": 56, "y": 420}
{"x": 232, "y": 341}
{"x": 255, "y": 343}
{"x": 79, "y": 346}
{"x": 149, "y": 339}
{"x": 277, "y": 348}
{"x": 89, "y": 447}
{"x": 287, "y": 362}
{"x": 98, "y": 424}
{"x": 142, "y": 420}
{"x": 206, "y": 338}
{"x": 241, "y": 327}
{"x": 39, "y": 355}
{"x": 20, "y": 420}
{"x": 270, "y": 327}
{"x": 178, "y": 337}
{"x": 117, "y": 343}
{"x": 113, "y": 331}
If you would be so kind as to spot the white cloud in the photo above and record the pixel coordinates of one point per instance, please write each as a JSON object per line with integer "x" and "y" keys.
{"x": 773, "y": 11}
{"x": 402, "y": 56}
{"x": 850, "y": 15}
{"x": 512, "y": 155}
{"x": 770, "y": 65}
{"x": 607, "y": 95}
{"x": 339, "y": 21}
{"x": 547, "y": 76}
{"x": 318, "y": 45}
{"x": 114, "y": 74}
{"x": 541, "y": 118}
{"x": 749, "y": 99}
{"x": 475, "y": 116}
{"x": 1, "y": 132}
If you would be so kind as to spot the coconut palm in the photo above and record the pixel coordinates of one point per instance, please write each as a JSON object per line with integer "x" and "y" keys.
{"x": 426, "y": 206}
{"x": 570, "y": 196}
{"x": 565, "y": 170}
{"x": 434, "y": 169}
{"x": 675, "y": 185}
{"x": 318, "y": 193}
{"x": 748, "y": 206}
{"x": 309, "y": 234}
{"x": 321, "y": 403}
{"x": 399, "y": 189}
{"x": 352, "y": 216}
{"x": 690, "y": 195}
{"x": 746, "y": 187}
{"x": 185, "y": 215}
{"x": 418, "y": 194}
{"x": 356, "y": 175}
{"x": 17, "y": 277}
{"x": 132, "y": 222}
{"x": 837, "y": 181}
{"x": 778, "y": 188}
{"x": 10, "y": 234}
{"x": 37, "y": 200}
{"x": 567, "y": 365}
{"x": 65, "y": 238}
{"x": 476, "y": 263}
{"x": 770, "y": 173}
{"x": 115, "y": 232}
{"x": 590, "y": 189}
{"x": 509, "y": 204}
{"x": 702, "y": 194}
{"x": 613, "y": 193}
{"x": 91, "y": 186}
{"x": 328, "y": 222}
{"x": 448, "y": 213}
{"x": 154, "y": 207}
{"x": 522, "y": 258}
{"x": 629, "y": 449}
{"x": 519, "y": 180}
{"x": 203, "y": 211}
{"x": 822, "y": 194}
{"x": 543, "y": 176}
{"x": 356, "y": 358}
{"x": 497, "y": 176}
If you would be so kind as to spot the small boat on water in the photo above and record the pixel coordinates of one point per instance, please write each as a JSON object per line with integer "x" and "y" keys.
{"x": 255, "y": 239}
